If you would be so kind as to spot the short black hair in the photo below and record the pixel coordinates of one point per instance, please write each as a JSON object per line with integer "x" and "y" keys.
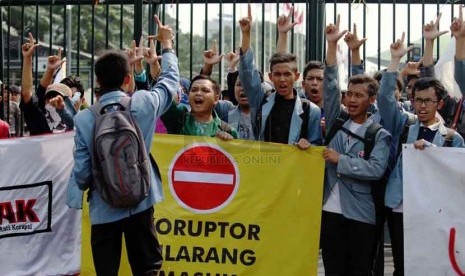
{"x": 110, "y": 69}
{"x": 14, "y": 89}
{"x": 412, "y": 77}
{"x": 74, "y": 81}
{"x": 283, "y": 58}
{"x": 379, "y": 75}
{"x": 425, "y": 83}
{"x": 216, "y": 86}
{"x": 313, "y": 64}
{"x": 371, "y": 83}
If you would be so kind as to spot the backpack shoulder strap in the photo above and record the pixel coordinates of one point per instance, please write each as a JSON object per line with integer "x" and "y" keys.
{"x": 343, "y": 117}
{"x": 258, "y": 118}
{"x": 126, "y": 103}
{"x": 449, "y": 138}
{"x": 403, "y": 137}
{"x": 458, "y": 112}
{"x": 304, "y": 116}
{"x": 370, "y": 139}
{"x": 96, "y": 108}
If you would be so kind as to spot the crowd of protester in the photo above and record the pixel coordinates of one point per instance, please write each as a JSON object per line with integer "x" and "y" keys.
{"x": 271, "y": 111}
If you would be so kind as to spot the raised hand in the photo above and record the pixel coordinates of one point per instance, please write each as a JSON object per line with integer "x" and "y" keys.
{"x": 211, "y": 57}
{"x": 54, "y": 62}
{"x": 57, "y": 102}
{"x": 150, "y": 54}
{"x": 332, "y": 32}
{"x": 411, "y": 68}
{"x": 458, "y": 26}
{"x": 28, "y": 47}
{"x": 398, "y": 49}
{"x": 246, "y": 22}
{"x": 165, "y": 34}
{"x": 431, "y": 30}
{"x": 285, "y": 22}
{"x": 233, "y": 59}
{"x": 352, "y": 40}
{"x": 136, "y": 54}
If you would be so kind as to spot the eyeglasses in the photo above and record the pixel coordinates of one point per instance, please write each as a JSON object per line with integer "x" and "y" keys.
{"x": 427, "y": 102}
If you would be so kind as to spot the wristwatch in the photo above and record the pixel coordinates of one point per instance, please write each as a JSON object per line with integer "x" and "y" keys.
{"x": 168, "y": 50}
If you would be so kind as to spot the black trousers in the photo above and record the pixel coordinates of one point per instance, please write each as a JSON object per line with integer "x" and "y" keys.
{"x": 347, "y": 245}
{"x": 143, "y": 249}
{"x": 396, "y": 232}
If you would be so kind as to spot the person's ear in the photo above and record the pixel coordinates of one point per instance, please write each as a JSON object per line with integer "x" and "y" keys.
{"x": 297, "y": 75}
{"x": 372, "y": 99}
{"x": 270, "y": 75}
{"x": 127, "y": 79}
{"x": 440, "y": 104}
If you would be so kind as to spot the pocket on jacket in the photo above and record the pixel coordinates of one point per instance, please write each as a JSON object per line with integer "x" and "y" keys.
{"x": 361, "y": 188}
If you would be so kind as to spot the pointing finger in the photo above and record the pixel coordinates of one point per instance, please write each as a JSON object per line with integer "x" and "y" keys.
{"x": 31, "y": 38}
{"x": 157, "y": 21}
{"x": 460, "y": 14}
{"x": 291, "y": 10}
{"x": 438, "y": 19}
{"x": 214, "y": 46}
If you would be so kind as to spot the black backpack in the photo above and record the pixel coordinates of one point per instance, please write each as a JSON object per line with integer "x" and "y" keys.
{"x": 368, "y": 140}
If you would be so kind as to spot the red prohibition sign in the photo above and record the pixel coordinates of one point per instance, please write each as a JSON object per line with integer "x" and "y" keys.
{"x": 203, "y": 178}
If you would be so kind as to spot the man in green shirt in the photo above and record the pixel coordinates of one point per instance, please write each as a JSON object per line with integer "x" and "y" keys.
{"x": 202, "y": 120}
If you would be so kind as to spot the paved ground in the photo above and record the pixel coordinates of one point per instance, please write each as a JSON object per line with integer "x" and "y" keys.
{"x": 388, "y": 263}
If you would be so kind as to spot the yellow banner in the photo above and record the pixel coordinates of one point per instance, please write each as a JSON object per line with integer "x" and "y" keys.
{"x": 235, "y": 208}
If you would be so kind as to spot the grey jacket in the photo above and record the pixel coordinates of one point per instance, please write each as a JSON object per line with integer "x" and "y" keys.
{"x": 353, "y": 173}
{"x": 394, "y": 121}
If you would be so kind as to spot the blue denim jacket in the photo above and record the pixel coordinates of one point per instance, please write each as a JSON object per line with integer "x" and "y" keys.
{"x": 146, "y": 107}
{"x": 251, "y": 83}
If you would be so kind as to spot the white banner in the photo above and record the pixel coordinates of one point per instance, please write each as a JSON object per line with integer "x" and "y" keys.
{"x": 39, "y": 234}
{"x": 434, "y": 204}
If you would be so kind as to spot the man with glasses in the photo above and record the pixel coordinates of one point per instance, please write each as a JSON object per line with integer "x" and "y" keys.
{"x": 427, "y": 130}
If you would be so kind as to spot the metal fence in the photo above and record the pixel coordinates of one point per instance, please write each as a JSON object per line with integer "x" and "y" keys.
{"x": 83, "y": 30}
